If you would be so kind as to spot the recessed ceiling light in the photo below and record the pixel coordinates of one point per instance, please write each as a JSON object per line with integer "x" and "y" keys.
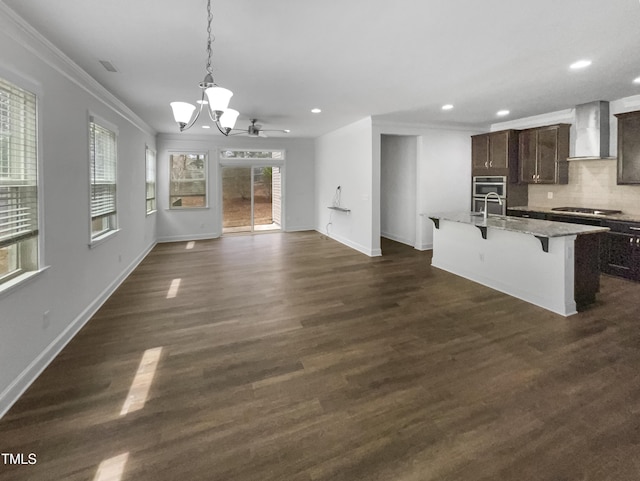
{"x": 206, "y": 127}
{"x": 636, "y": 80}
{"x": 502, "y": 113}
{"x": 447, "y": 107}
{"x": 580, "y": 64}
{"x": 316, "y": 111}
{"x": 286, "y": 131}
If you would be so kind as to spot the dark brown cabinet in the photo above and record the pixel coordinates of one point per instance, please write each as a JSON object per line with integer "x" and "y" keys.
{"x": 495, "y": 153}
{"x": 621, "y": 250}
{"x": 542, "y": 155}
{"x": 629, "y": 148}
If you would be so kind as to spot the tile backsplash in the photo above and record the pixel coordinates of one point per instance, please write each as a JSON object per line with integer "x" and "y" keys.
{"x": 592, "y": 183}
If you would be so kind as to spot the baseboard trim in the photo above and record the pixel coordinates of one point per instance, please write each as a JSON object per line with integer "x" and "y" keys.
{"x": 353, "y": 245}
{"x": 396, "y": 238}
{"x": 188, "y": 237}
{"x": 12, "y": 393}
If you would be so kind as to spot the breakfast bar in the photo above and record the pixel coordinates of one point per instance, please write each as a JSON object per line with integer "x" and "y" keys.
{"x": 551, "y": 264}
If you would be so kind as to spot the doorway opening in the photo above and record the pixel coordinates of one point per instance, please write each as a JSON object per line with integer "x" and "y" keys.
{"x": 251, "y": 199}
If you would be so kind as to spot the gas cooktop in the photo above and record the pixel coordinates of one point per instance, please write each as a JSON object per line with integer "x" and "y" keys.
{"x": 586, "y": 210}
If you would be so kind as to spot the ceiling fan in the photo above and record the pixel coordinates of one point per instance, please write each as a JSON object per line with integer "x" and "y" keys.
{"x": 256, "y": 130}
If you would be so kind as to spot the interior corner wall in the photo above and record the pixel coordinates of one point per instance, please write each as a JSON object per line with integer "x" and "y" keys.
{"x": 345, "y": 158}
{"x": 78, "y": 279}
{"x": 398, "y": 162}
{"x": 185, "y": 224}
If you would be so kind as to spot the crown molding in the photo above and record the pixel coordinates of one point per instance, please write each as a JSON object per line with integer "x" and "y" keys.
{"x": 557, "y": 117}
{"x": 412, "y": 128}
{"x": 22, "y": 32}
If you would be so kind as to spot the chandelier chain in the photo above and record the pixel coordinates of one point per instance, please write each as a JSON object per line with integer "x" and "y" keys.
{"x": 210, "y": 38}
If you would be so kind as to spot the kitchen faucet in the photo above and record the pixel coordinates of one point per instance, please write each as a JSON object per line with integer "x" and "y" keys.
{"x": 486, "y": 197}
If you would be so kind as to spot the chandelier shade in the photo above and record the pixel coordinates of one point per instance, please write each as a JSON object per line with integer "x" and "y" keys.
{"x": 182, "y": 112}
{"x": 228, "y": 119}
{"x": 217, "y": 97}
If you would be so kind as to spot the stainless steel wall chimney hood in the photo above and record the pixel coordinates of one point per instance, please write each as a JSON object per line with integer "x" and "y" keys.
{"x": 592, "y": 131}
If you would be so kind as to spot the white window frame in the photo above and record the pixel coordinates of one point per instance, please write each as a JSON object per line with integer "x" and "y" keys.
{"x": 151, "y": 181}
{"x": 110, "y": 218}
{"x": 20, "y": 226}
{"x": 205, "y": 178}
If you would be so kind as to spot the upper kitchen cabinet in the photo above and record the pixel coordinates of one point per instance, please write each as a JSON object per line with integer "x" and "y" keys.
{"x": 629, "y": 148}
{"x": 495, "y": 153}
{"x": 543, "y": 153}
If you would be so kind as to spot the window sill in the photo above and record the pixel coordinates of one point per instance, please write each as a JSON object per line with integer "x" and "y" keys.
{"x": 104, "y": 237}
{"x": 20, "y": 281}
{"x": 186, "y": 209}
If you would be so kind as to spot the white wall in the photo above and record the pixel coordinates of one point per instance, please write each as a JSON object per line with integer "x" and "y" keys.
{"x": 298, "y": 175}
{"x": 444, "y": 176}
{"x": 345, "y": 158}
{"x": 443, "y": 171}
{"x": 398, "y": 155}
{"x": 78, "y": 279}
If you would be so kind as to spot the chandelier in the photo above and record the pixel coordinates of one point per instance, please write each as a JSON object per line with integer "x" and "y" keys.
{"x": 217, "y": 98}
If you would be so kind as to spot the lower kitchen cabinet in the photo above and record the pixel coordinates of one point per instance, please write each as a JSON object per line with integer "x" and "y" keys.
{"x": 619, "y": 248}
{"x": 620, "y": 254}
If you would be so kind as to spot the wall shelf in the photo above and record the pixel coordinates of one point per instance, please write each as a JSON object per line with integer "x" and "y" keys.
{"x": 339, "y": 209}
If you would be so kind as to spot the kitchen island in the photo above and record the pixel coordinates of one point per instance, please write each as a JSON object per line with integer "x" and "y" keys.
{"x": 554, "y": 265}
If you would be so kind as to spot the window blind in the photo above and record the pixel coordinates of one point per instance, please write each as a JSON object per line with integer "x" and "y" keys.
{"x": 18, "y": 164}
{"x": 150, "y": 160}
{"x": 103, "y": 170}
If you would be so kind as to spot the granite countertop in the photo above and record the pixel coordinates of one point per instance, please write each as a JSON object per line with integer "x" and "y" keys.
{"x": 536, "y": 227}
{"x": 548, "y": 210}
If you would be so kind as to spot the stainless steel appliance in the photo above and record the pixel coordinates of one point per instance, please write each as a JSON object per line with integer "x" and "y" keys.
{"x": 483, "y": 185}
{"x": 587, "y": 210}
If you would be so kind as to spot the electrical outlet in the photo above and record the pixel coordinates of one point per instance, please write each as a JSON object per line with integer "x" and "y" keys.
{"x": 45, "y": 320}
{"x": 549, "y": 195}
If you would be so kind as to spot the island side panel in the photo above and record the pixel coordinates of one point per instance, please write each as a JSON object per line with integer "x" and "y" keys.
{"x": 510, "y": 262}
{"x": 587, "y": 269}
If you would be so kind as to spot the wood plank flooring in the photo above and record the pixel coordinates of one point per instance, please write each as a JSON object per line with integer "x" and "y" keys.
{"x": 291, "y": 357}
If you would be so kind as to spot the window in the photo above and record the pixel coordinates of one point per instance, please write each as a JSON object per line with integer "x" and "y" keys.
{"x": 252, "y": 154}
{"x": 150, "y": 162}
{"x": 188, "y": 181}
{"x": 103, "y": 160}
{"x": 18, "y": 182}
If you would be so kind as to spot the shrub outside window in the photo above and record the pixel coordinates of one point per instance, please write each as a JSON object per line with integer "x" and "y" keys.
{"x": 188, "y": 180}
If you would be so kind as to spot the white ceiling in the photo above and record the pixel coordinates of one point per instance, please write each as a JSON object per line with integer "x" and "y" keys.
{"x": 400, "y": 59}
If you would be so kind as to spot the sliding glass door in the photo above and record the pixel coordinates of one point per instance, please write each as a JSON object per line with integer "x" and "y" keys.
{"x": 251, "y": 199}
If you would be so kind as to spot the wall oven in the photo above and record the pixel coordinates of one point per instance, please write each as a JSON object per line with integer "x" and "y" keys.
{"x": 482, "y": 185}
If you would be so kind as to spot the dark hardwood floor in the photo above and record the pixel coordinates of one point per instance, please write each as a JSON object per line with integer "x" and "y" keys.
{"x": 291, "y": 357}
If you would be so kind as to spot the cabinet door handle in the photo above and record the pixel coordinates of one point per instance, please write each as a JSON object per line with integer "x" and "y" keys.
{"x": 486, "y": 164}
{"x": 491, "y": 163}
{"x": 631, "y": 240}
{"x": 634, "y": 228}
